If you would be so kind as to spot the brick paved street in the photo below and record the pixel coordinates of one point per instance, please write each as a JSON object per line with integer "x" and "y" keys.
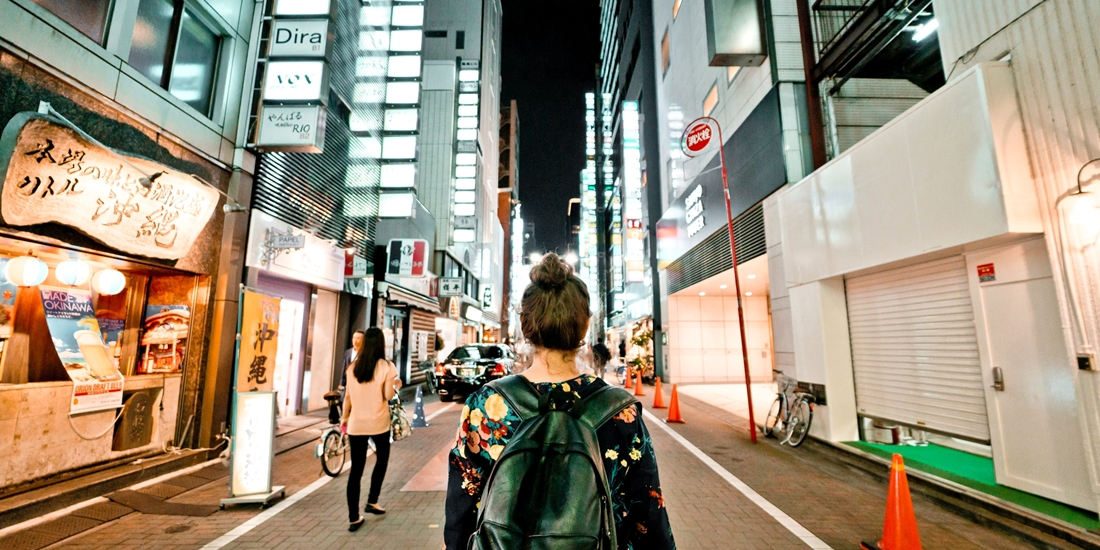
{"x": 837, "y": 504}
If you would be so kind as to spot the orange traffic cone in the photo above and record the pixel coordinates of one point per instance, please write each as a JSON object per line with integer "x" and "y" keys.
{"x": 674, "y": 408}
{"x": 639, "y": 389}
{"x": 659, "y": 398}
{"x": 900, "y": 530}
{"x": 629, "y": 381}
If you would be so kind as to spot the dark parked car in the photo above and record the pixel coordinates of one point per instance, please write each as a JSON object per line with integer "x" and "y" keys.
{"x": 471, "y": 366}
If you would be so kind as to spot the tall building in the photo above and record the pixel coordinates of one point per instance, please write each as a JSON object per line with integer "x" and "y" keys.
{"x": 332, "y": 192}
{"x": 460, "y": 160}
{"x": 127, "y": 159}
{"x": 629, "y": 179}
{"x": 508, "y": 205}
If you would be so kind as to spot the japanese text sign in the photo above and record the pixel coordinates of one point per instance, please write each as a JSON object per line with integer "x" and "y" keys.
{"x": 698, "y": 138}
{"x": 54, "y": 175}
{"x": 449, "y": 287}
{"x": 259, "y": 342}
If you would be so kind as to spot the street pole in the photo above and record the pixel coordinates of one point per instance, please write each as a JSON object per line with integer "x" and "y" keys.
{"x": 696, "y": 138}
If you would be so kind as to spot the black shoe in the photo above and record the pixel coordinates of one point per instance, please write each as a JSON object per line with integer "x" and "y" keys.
{"x": 355, "y": 525}
{"x": 374, "y": 509}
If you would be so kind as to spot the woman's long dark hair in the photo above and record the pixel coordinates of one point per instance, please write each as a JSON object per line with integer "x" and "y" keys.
{"x": 374, "y": 350}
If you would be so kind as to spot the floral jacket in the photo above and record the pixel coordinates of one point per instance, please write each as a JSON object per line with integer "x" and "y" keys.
{"x": 487, "y": 425}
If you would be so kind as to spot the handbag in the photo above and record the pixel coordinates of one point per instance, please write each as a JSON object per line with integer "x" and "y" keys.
{"x": 400, "y": 428}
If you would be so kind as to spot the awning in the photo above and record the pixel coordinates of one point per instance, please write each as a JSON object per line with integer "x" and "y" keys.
{"x": 408, "y": 297}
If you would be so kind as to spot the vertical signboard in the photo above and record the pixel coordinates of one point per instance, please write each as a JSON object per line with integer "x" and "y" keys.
{"x": 633, "y": 235}
{"x": 253, "y": 444}
{"x": 70, "y": 316}
{"x": 259, "y": 340}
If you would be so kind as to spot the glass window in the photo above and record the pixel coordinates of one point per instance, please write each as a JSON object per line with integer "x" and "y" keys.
{"x": 196, "y": 63}
{"x": 711, "y": 101}
{"x": 175, "y": 49}
{"x": 149, "y": 48}
{"x": 87, "y": 16}
{"x": 666, "y": 56}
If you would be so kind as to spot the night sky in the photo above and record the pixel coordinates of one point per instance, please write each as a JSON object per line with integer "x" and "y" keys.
{"x": 550, "y": 52}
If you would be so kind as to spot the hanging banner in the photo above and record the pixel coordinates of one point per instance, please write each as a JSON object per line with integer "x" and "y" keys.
{"x": 70, "y": 316}
{"x": 259, "y": 342}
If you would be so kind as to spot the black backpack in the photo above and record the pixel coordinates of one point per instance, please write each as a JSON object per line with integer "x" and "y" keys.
{"x": 548, "y": 489}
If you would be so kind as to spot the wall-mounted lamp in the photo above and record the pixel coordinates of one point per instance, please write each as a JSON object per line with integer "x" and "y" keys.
{"x": 1082, "y": 208}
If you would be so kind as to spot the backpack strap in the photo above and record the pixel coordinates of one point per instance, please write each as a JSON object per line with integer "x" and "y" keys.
{"x": 602, "y": 404}
{"x": 520, "y": 394}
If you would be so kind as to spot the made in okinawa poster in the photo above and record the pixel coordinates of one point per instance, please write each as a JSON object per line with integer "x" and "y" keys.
{"x": 97, "y": 382}
{"x": 259, "y": 340}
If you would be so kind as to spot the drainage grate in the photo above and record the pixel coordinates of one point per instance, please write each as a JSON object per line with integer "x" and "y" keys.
{"x": 188, "y": 482}
{"x": 163, "y": 490}
{"x": 31, "y": 539}
{"x": 103, "y": 511}
{"x": 67, "y": 526}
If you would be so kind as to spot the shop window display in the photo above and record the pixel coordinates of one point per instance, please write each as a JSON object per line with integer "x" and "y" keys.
{"x": 59, "y": 332}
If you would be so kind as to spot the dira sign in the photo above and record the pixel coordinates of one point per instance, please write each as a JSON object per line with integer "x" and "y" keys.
{"x": 299, "y": 38}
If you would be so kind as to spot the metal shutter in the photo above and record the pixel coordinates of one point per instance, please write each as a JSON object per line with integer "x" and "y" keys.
{"x": 915, "y": 350}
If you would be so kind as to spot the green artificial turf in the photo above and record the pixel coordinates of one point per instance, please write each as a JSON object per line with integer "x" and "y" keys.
{"x": 976, "y": 472}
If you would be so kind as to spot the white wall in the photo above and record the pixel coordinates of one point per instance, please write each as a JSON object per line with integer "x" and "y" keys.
{"x": 705, "y": 341}
{"x": 1055, "y": 58}
{"x": 949, "y": 172}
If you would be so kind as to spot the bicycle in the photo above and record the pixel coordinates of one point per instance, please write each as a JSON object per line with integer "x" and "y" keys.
{"x": 428, "y": 366}
{"x": 791, "y": 414}
{"x": 332, "y": 449}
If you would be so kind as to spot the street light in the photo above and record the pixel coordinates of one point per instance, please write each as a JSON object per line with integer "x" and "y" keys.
{"x": 572, "y": 258}
{"x": 536, "y": 258}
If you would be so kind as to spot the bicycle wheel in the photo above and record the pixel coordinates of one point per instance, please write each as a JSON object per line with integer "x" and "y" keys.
{"x": 802, "y": 415}
{"x": 332, "y": 459}
{"x": 773, "y": 426}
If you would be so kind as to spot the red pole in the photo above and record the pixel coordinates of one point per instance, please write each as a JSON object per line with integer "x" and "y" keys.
{"x": 736, "y": 278}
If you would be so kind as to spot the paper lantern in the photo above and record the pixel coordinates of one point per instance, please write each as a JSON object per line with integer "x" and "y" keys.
{"x": 73, "y": 272}
{"x": 26, "y": 271}
{"x": 108, "y": 282}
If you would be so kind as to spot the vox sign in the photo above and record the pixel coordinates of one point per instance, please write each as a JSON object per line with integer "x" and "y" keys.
{"x": 296, "y": 81}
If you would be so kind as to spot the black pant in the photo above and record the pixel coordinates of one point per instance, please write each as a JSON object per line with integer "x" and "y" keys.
{"x": 359, "y": 445}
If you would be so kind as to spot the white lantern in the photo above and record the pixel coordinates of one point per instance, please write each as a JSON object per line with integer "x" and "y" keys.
{"x": 108, "y": 282}
{"x": 73, "y": 272}
{"x": 26, "y": 271}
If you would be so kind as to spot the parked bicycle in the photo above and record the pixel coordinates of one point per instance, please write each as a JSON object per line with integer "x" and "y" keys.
{"x": 333, "y": 447}
{"x": 428, "y": 366}
{"x": 791, "y": 414}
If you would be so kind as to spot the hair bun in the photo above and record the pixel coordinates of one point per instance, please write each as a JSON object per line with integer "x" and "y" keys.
{"x": 551, "y": 273}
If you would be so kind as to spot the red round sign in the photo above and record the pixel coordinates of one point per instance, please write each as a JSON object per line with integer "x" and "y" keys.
{"x": 698, "y": 138}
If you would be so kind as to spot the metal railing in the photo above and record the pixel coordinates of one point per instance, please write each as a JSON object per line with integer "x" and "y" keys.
{"x": 833, "y": 17}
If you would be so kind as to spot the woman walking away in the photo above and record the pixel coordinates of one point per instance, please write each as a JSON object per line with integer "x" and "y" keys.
{"x": 552, "y": 456}
{"x": 372, "y": 382}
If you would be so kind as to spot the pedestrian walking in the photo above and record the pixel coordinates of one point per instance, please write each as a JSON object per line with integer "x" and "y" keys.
{"x": 372, "y": 382}
{"x": 622, "y": 348}
{"x": 350, "y": 355}
{"x": 520, "y": 454}
{"x": 601, "y": 355}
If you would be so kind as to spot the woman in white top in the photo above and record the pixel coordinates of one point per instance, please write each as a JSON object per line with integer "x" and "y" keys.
{"x": 371, "y": 382}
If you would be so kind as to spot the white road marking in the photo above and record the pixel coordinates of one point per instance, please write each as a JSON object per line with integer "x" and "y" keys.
{"x": 258, "y": 520}
{"x": 778, "y": 515}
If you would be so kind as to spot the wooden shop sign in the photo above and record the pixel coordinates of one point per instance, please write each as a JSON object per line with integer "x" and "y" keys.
{"x": 54, "y": 175}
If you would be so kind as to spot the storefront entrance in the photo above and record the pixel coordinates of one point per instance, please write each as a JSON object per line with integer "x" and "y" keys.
{"x": 703, "y": 332}
{"x": 288, "y": 358}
